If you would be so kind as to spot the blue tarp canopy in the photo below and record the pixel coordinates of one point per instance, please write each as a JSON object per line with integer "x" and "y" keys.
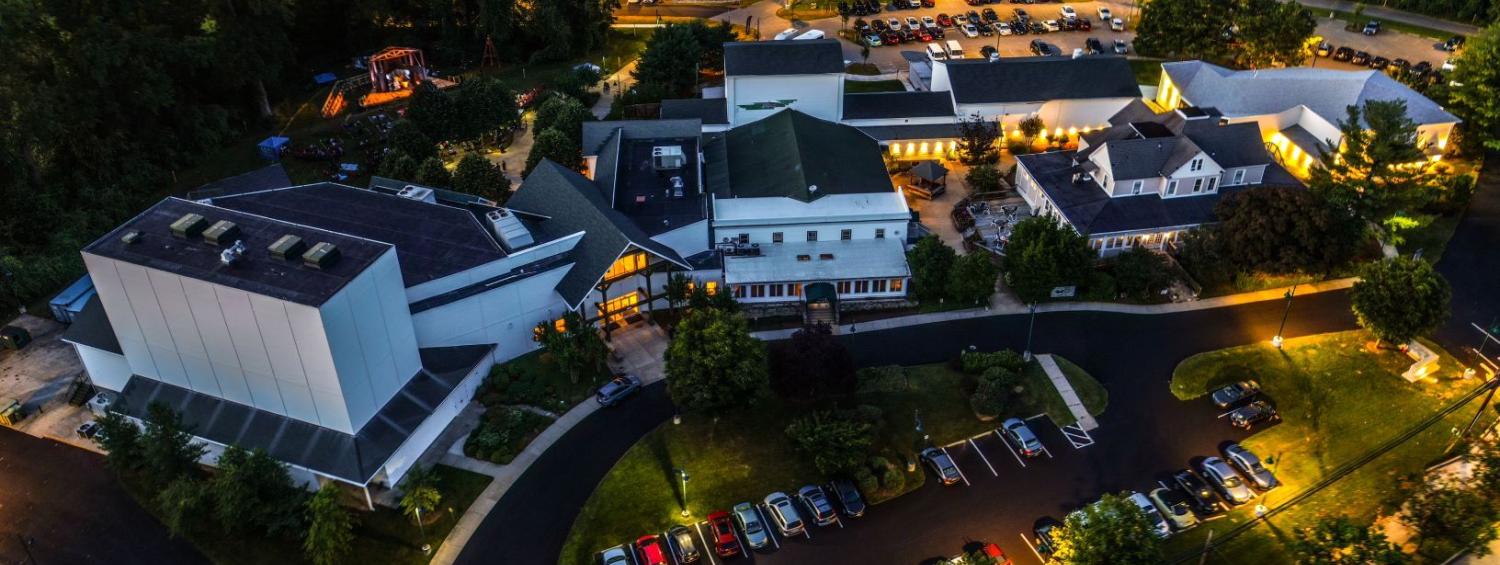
{"x": 271, "y": 147}
{"x": 324, "y": 78}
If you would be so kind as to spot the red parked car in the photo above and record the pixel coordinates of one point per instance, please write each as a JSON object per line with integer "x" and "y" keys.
{"x": 722, "y": 529}
{"x": 944, "y": 20}
{"x": 924, "y": 35}
{"x": 648, "y": 547}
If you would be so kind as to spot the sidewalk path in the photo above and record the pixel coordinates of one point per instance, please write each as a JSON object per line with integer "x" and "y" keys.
{"x": 642, "y": 348}
{"x": 621, "y": 79}
{"x": 1085, "y": 420}
{"x": 1012, "y": 309}
{"x": 1392, "y": 14}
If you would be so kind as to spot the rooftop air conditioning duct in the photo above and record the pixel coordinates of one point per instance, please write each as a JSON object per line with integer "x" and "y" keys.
{"x": 509, "y": 229}
{"x": 222, "y": 233}
{"x": 189, "y": 226}
{"x": 288, "y": 248}
{"x": 229, "y": 256}
{"x": 418, "y": 193}
{"x": 668, "y": 158}
{"x": 322, "y": 256}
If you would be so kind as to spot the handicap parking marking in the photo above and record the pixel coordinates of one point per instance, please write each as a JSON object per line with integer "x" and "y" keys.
{"x": 1029, "y": 545}
{"x": 956, "y": 467}
{"x": 710, "y": 550}
{"x": 1012, "y": 450}
{"x": 982, "y": 457}
{"x": 1077, "y": 436}
{"x": 767, "y": 526}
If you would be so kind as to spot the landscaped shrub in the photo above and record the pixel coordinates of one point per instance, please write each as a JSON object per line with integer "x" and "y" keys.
{"x": 1100, "y": 288}
{"x": 836, "y": 444}
{"x": 866, "y": 481}
{"x": 892, "y": 479}
{"x": 975, "y": 362}
{"x": 995, "y": 393}
{"x": 503, "y": 433}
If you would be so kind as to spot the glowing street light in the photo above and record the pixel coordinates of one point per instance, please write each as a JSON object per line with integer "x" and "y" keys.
{"x": 1276, "y": 341}
{"x": 683, "y": 474}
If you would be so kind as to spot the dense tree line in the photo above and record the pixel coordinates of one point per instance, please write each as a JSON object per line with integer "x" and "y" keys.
{"x": 106, "y": 102}
{"x": 1477, "y": 11}
{"x": 1241, "y": 33}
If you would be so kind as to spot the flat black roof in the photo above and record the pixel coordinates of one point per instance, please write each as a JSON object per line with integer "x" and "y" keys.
{"x": 790, "y": 57}
{"x": 645, "y": 195}
{"x": 1032, "y": 79}
{"x": 432, "y": 240}
{"x": 256, "y": 271}
{"x": 714, "y": 111}
{"x": 355, "y": 458}
{"x": 887, "y": 105}
{"x": 91, "y": 328}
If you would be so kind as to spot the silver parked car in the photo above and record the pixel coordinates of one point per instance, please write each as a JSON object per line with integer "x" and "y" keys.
{"x": 942, "y": 465}
{"x": 617, "y": 389}
{"x": 1020, "y": 435}
{"x": 749, "y": 522}
{"x": 1153, "y": 515}
{"x": 1223, "y": 478}
{"x": 617, "y": 555}
{"x": 1175, "y": 506}
{"x": 817, "y": 502}
{"x": 784, "y": 514}
{"x": 1249, "y": 465}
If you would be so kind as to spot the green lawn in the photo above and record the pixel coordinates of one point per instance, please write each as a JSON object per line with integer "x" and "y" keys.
{"x": 858, "y": 86}
{"x": 384, "y": 536}
{"x": 1385, "y": 25}
{"x": 744, "y": 455}
{"x": 1339, "y": 398}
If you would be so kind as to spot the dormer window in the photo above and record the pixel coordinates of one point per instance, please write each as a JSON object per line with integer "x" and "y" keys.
{"x": 1135, "y": 187}
{"x": 1239, "y": 176}
{"x": 1197, "y": 185}
{"x": 1171, "y": 187}
{"x": 1197, "y": 165}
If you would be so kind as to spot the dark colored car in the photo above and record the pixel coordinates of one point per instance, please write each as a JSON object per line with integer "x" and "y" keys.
{"x": 1343, "y": 54}
{"x": 1372, "y": 28}
{"x": 1204, "y": 501}
{"x": 1042, "y": 49}
{"x": 929, "y": 4}
{"x": 1380, "y": 63}
{"x": 889, "y": 37}
{"x": 987, "y": 52}
{"x": 1234, "y": 393}
{"x": 89, "y": 429}
{"x": 1253, "y": 413}
{"x": 817, "y": 503}
{"x": 1069, "y": 24}
{"x": 990, "y": 16}
{"x": 848, "y": 497}
{"x": 680, "y": 539}
{"x": 1093, "y": 46}
{"x": 908, "y": 36}
{"x": 1045, "y": 544}
{"x": 1022, "y": 16}
{"x": 617, "y": 389}
{"x": 1452, "y": 44}
{"x": 1037, "y": 27}
{"x": 1360, "y": 58}
{"x": 1021, "y": 437}
{"x": 1084, "y": 24}
{"x": 721, "y": 527}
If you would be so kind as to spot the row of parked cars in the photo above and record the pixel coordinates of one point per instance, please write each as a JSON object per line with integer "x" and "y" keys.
{"x": 744, "y": 527}
{"x": 975, "y": 23}
{"x": 1421, "y": 71}
{"x": 1247, "y": 406}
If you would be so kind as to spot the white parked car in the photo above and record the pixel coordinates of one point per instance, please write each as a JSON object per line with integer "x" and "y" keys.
{"x": 960, "y": 20}
{"x": 1052, "y": 26}
{"x": 928, "y": 22}
{"x": 1105, "y": 15}
{"x": 970, "y": 31}
{"x": 912, "y": 22}
{"x": 784, "y": 514}
{"x": 617, "y": 555}
{"x": 1068, "y": 12}
{"x": 786, "y": 34}
{"x": 1117, "y": 24}
{"x": 1158, "y": 522}
{"x": 895, "y": 24}
{"x": 811, "y": 34}
{"x": 1003, "y": 28}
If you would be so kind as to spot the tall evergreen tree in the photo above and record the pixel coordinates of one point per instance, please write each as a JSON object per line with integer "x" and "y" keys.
{"x": 1474, "y": 93}
{"x": 330, "y": 530}
{"x": 1379, "y": 173}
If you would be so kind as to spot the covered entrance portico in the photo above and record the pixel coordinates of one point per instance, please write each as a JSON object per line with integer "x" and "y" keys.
{"x": 821, "y": 304}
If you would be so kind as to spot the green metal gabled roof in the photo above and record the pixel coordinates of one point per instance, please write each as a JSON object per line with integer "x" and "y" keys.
{"x": 787, "y": 153}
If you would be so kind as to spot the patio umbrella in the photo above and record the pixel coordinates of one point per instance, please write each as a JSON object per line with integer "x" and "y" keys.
{"x": 929, "y": 171}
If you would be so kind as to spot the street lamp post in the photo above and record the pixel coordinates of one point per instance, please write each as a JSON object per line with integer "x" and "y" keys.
{"x": 1284, "y": 312}
{"x": 1029, "y": 326}
{"x": 683, "y": 474}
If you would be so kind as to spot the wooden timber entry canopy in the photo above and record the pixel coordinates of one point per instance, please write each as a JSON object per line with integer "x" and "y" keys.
{"x": 397, "y": 68}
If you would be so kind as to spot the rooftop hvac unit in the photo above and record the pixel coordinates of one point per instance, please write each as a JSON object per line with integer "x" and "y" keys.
{"x": 222, "y": 233}
{"x": 288, "y": 248}
{"x": 677, "y": 185}
{"x": 229, "y": 256}
{"x": 509, "y": 229}
{"x": 668, "y": 158}
{"x": 419, "y": 193}
{"x": 189, "y": 226}
{"x": 322, "y": 256}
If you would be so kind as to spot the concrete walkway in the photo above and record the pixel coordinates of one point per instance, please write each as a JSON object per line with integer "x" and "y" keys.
{"x": 1391, "y": 14}
{"x": 618, "y": 82}
{"x": 640, "y": 348}
{"x": 1012, "y": 309}
{"x": 1085, "y": 420}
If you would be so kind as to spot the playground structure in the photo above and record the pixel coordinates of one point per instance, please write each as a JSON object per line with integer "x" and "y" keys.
{"x": 394, "y": 73}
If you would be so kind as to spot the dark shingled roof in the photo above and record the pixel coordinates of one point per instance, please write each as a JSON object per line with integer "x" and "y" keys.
{"x": 91, "y": 328}
{"x": 1033, "y": 79}
{"x": 806, "y": 57}
{"x": 712, "y": 111}
{"x": 596, "y": 133}
{"x": 571, "y": 203}
{"x": 1091, "y": 210}
{"x": 914, "y": 131}
{"x": 432, "y": 240}
{"x": 878, "y": 105}
{"x": 355, "y": 458}
{"x": 265, "y": 178}
{"x": 256, "y": 271}
{"x": 787, "y": 152}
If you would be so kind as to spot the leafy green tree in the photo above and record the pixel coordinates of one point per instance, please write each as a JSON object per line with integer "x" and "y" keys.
{"x": 977, "y": 139}
{"x": 1140, "y": 272}
{"x": 1273, "y": 34}
{"x": 476, "y": 175}
{"x": 486, "y": 105}
{"x": 1247, "y": 33}
{"x": 995, "y": 391}
{"x": 1044, "y": 253}
{"x": 711, "y": 38}
{"x": 713, "y": 362}
{"x": 576, "y": 347}
{"x": 1449, "y": 519}
{"x": 1031, "y": 127}
{"x": 251, "y": 489}
{"x": 813, "y": 364}
{"x": 1371, "y": 175}
{"x": 1189, "y": 29}
{"x": 250, "y": 44}
{"x": 1202, "y": 254}
{"x": 1286, "y": 230}
{"x": 556, "y": 146}
{"x": 1474, "y": 94}
{"x": 931, "y": 263}
{"x": 183, "y": 503}
{"x": 419, "y": 493}
{"x": 1400, "y": 299}
{"x": 398, "y": 165}
{"x": 972, "y": 278}
{"x": 1112, "y": 531}
{"x": 330, "y": 530}
{"x": 432, "y": 173}
{"x": 982, "y": 178}
{"x": 836, "y": 445}
{"x": 168, "y": 449}
{"x": 435, "y": 112}
{"x": 121, "y": 440}
{"x": 679, "y": 288}
{"x": 562, "y": 113}
{"x": 670, "y": 61}
{"x": 1338, "y": 540}
{"x": 405, "y": 137}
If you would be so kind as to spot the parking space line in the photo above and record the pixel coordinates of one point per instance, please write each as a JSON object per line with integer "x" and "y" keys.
{"x": 1044, "y": 449}
{"x": 671, "y": 553}
{"x": 957, "y": 468}
{"x": 806, "y": 531}
{"x": 836, "y": 520}
{"x": 1038, "y": 554}
{"x": 767, "y": 526}
{"x": 1012, "y": 450}
{"x": 1042, "y": 415}
{"x": 707, "y": 548}
{"x": 983, "y": 458}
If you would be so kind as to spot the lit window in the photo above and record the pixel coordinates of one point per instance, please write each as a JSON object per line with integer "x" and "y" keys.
{"x": 711, "y": 287}
{"x": 896, "y": 284}
{"x": 794, "y": 289}
{"x": 825, "y": 256}
{"x": 801, "y": 258}
{"x": 626, "y": 265}
{"x": 560, "y": 324}
{"x": 619, "y": 308}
